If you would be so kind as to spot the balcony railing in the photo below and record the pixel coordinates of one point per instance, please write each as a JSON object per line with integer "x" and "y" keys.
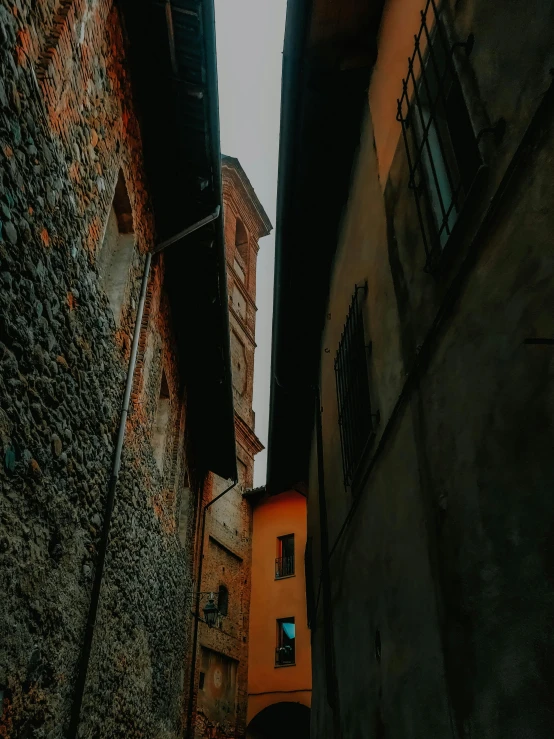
{"x": 284, "y": 655}
{"x": 284, "y": 567}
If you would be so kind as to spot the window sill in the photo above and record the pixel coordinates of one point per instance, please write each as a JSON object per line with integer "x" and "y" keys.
{"x": 285, "y": 577}
{"x": 290, "y": 664}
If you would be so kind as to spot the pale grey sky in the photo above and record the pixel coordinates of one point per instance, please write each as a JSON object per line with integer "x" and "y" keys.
{"x": 249, "y": 56}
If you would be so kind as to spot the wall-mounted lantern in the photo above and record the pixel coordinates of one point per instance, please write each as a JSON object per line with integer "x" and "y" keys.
{"x": 211, "y": 612}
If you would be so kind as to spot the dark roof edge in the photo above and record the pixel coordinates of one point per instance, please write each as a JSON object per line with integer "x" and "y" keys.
{"x": 296, "y": 31}
{"x": 258, "y": 207}
{"x": 254, "y": 491}
{"x": 208, "y": 12}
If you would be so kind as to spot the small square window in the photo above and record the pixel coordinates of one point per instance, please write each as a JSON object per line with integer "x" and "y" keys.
{"x": 285, "y": 654}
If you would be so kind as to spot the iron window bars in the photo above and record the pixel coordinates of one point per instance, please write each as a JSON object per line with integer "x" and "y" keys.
{"x": 353, "y": 396}
{"x": 441, "y": 145}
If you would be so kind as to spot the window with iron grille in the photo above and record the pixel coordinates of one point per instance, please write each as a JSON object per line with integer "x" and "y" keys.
{"x": 441, "y": 145}
{"x": 353, "y": 396}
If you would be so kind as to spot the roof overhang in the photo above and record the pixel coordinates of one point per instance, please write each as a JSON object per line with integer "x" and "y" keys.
{"x": 173, "y": 63}
{"x": 233, "y": 168}
{"x": 329, "y": 52}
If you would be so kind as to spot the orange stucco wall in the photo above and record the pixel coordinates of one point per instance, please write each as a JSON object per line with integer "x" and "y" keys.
{"x": 272, "y": 599}
{"x": 400, "y": 23}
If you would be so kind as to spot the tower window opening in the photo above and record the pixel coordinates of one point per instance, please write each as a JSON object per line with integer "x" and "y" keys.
{"x": 116, "y": 253}
{"x": 241, "y": 241}
{"x": 161, "y": 421}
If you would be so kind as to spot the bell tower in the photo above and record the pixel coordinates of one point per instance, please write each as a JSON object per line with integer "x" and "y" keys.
{"x": 245, "y": 223}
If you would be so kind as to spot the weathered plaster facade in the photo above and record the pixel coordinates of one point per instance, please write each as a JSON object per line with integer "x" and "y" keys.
{"x": 440, "y": 556}
{"x": 68, "y": 136}
{"x": 221, "y": 661}
{"x": 278, "y": 591}
{"x": 447, "y": 555}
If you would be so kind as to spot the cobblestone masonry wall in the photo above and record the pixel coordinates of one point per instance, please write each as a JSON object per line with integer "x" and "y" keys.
{"x": 64, "y": 136}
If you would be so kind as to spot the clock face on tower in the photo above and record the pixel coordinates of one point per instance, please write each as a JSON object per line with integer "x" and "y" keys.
{"x": 218, "y": 678}
{"x": 238, "y": 360}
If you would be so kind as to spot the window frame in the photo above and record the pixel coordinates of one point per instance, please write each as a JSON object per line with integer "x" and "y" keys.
{"x": 439, "y": 153}
{"x": 280, "y": 661}
{"x": 285, "y": 569}
{"x": 356, "y": 417}
{"x": 223, "y": 589}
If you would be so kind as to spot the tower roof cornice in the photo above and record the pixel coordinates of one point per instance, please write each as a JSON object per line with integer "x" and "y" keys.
{"x": 232, "y": 168}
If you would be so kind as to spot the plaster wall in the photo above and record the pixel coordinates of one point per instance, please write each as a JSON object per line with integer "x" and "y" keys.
{"x": 447, "y": 551}
{"x": 272, "y": 599}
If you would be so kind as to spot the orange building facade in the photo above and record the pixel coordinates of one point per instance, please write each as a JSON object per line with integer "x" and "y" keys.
{"x": 279, "y": 661}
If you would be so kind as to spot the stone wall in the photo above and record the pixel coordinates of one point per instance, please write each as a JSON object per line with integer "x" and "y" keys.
{"x": 67, "y": 129}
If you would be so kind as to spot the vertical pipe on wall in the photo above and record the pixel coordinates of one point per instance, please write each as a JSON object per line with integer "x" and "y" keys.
{"x": 330, "y": 675}
{"x": 103, "y": 546}
{"x": 116, "y": 466}
{"x": 188, "y": 732}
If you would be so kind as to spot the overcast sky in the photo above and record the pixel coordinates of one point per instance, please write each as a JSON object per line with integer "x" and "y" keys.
{"x": 249, "y": 54}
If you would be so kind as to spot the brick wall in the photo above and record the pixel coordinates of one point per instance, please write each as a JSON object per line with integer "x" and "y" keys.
{"x": 67, "y": 129}
{"x": 228, "y": 537}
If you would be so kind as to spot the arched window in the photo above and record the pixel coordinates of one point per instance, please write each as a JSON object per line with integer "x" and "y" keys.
{"x": 223, "y": 600}
{"x": 241, "y": 241}
{"x": 159, "y": 432}
{"x": 116, "y": 253}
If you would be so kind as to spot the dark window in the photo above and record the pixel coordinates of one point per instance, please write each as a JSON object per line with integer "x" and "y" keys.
{"x": 241, "y": 241}
{"x": 442, "y": 149}
{"x": 223, "y": 600}
{"x": 286, "y": 633}
{"x": 352, "y": 378}
{"x": 284, "y": 564}
{"x": 116, "y": 253}
{"x": 161, "y": 421}
{"x": 201, "y": 680}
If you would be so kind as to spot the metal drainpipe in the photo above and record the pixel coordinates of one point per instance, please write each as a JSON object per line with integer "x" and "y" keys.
{"x": 188, "y": 732}
{"x": 110, "y": 498}
{"x": 331, "y": 678}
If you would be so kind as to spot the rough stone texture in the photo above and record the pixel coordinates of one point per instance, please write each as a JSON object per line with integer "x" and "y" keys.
{"x": 446, "y": 560}
{"x": 228, "y": 540}
{"x": 63, "y": 142}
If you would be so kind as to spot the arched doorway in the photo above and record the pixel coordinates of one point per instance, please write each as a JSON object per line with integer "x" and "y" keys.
{"x": 281, "y": 719}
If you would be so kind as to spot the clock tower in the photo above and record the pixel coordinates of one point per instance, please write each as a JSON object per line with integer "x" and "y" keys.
{"x": 245, "y": 223}
{"x": 221, "y": 663}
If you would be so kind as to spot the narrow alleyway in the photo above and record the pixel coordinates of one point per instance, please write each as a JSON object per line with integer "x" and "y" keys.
{"x": 276, "y": 369}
